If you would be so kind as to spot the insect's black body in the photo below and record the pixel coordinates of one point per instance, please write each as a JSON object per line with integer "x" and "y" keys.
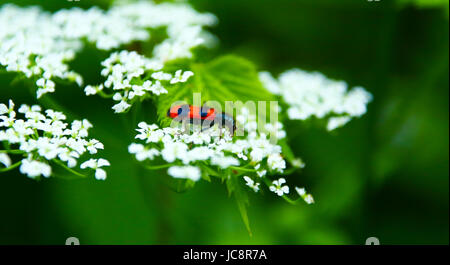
{"x": 224, "y": 120}
{"x": 205, "y": 116}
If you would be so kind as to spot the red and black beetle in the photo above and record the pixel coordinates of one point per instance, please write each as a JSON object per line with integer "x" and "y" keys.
{"x": 204, "y": 115}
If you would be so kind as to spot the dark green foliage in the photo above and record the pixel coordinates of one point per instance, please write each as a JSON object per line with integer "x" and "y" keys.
{"x": 384, "y": 175}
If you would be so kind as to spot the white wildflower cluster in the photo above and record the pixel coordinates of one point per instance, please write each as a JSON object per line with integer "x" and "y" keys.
{"x": 184, "y": 151}
{"x": 130, "y": 76}
{"x": 32, "y": 43}
{"x": 184, "y": 26}
{"x": 39, "y": 44}
{"x": 41, "y": 138}
{"x": 220, "y": 150}
{"x": 313, "y": 94}
{"x": 189, "y": 154}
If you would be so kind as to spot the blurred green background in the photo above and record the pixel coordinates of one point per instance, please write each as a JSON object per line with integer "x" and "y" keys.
{"x": 384, "y": 175}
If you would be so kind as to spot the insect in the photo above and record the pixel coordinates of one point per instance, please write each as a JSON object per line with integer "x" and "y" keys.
{"x": 204, "y": 115}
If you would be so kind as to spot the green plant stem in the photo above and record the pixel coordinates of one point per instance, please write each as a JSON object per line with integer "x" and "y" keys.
{"x": 15, "y": 151}
{"x": 104, "y": 95}
{"x": 158, "y": 166}
{"x": 68, "y": 168}
{"x": 293, "y": 202}
{"x": 290, "y": 170}
{"x": 243, "y": 169}
{"x": 13, "y": 166}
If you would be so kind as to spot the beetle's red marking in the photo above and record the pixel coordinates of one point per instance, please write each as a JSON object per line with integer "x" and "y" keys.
{"x": 193, "y": 113}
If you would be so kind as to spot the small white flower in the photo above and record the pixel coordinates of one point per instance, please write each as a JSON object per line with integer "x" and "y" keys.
{"x": 161, "y": 76}
{"x": 147, "y": 85}
{"x": 118, "y": 97}
{"x": 5, "y": 160}
{"x": 7, "y": 109}
{"x": 174, "y": 151}
{"x": 66, "y": 155}
{"x": 276, "y": 130}
{"x": 55, "y": 115}
{"x": 199, "y": 153}
{"x": 145, "y": 131}
{"x": 155, "y": 136}
{"x": 46, "y": 148}
{"x": 198, "y": 138}
{"x": 21, "y": 127}
{"x": 300, "y": 191}
{"x": 3, "y": 109}
{"x": 92, "y": 90}
{"x": 224, "y": 161}
{"x": 251, "y": 183}
{"x": 187, "y": 172}
{"x": 261, "y": 173}
{"x": 121, "y": 107}
{"x": 141, "y": 152}
{"x": 270, "y": 83}
{"x": 80, "y": 128}
{"x": 77, "y": 144}
{"x": 158, "y": 89}
{"x": 136, "y": 91}
{"x": 276, "y": 162}
{"x": 298, "y": 163}
{"x": 45, "y": 86}
{"x": 34, "y": 168}
{"x": 96, "y": 164}
{"x": 93, "y": 145}
{"x": 308, "y": 198}
{"x": 25, "y": 108}
{"x": 336, "y": 122}
{"x": 257, "y": 154}
{"x": 181, "y": 77}
{"x": 278, "y": 188}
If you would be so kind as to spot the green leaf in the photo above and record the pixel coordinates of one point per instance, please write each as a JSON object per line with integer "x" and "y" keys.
{"x": 177, "y": 185}
{"x": 205, "y": 176}
{"x": 227, "y": 78}
{"x": 235, "y": 188}
{"x": 210, "y": 172}
{"x": 287, "y": 151}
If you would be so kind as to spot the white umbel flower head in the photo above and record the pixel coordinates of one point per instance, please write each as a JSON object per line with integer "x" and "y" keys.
{"x": 313, "y": 94}
{"x": 41, "y": 44}
{"x": 197, "y": 151}
{"x": 42, "y": 136}
{"x": 131, "y": 76}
